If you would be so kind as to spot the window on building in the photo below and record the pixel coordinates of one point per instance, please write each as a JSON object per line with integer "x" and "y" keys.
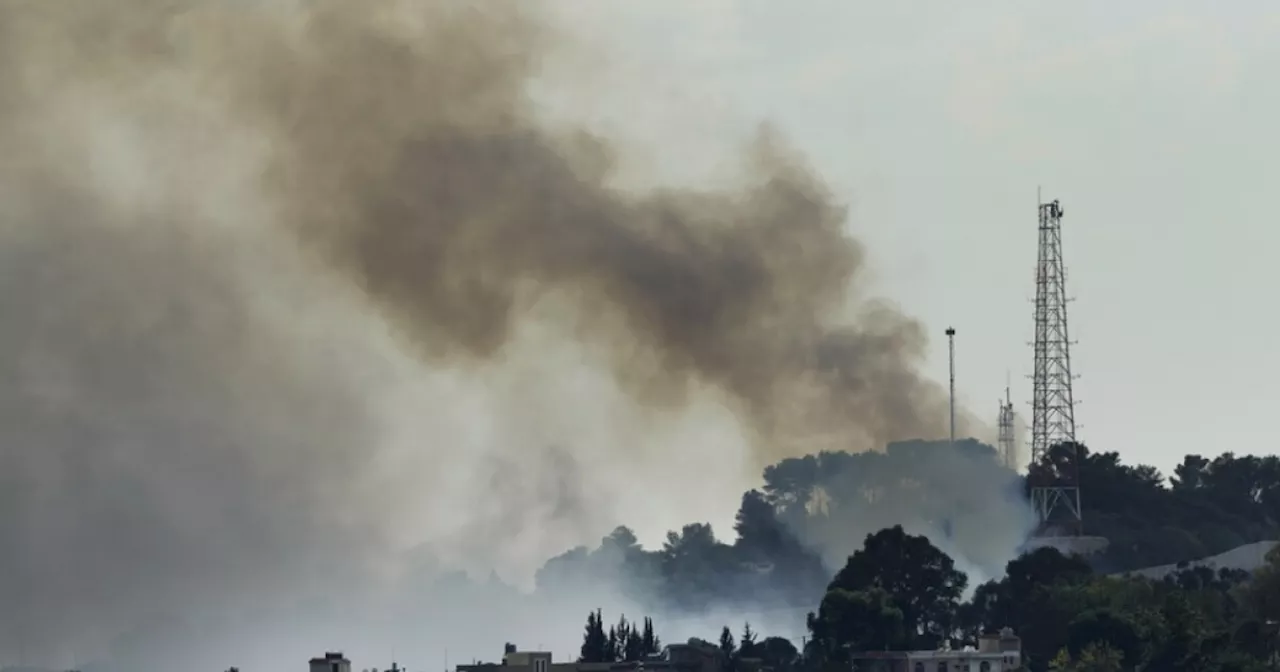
{"x": 540, "y": 665}
{"x": 942, "y": 667}
{"x": 919, "y": 667}
{"x": 984, "y": 667}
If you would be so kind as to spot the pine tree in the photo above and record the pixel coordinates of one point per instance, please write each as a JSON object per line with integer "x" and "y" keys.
{"x": 649, "y": 641}
{"x": 747, "y": 643}
{"x": 594, "y": 641}
{"x": 623, "y": 630}
{"x": 630, "y": 641}
{"x": 585, "y": 653}
{"x": 611, "y": 646}
{"x": 728, "y": 650}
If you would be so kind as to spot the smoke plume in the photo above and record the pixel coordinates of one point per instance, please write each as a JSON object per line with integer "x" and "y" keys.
{"x": 289, "y": 287}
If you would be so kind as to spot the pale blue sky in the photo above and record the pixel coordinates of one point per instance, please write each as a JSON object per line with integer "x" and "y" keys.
{"x": 1153, "y": 122}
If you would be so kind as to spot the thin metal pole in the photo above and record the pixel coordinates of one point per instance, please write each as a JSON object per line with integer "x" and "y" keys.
{"x": 951, "y": 346}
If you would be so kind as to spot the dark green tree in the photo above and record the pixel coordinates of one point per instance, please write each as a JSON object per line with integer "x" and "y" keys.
{"x": 595, "y": 642}
{"x": 777, "y": 653}
{"x": 1094, "y": 658}
{"x": 621, "y": 632}
{"x": 849, "y": 621}
{"x": 764, "y": 540}
{"x": 1029, "y": 598}
{"x": 611, "y": 647}
{"x": 649, "y": 643}
{"x": 696, "y": 567}
{"x": 831, "y": 500}
{"x": 728, "y": 650}
{"x": 747, "y": 642}
{"x": 922, "y": 581}
{"x": 1107, "y": 628}
{"x": 1262, "y": 596}
{"x": 632, "y": 642}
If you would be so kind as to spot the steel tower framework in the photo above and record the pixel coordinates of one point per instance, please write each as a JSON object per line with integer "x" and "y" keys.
{"x": 1007, "y": 442}
{"x": 1055, "y": 492}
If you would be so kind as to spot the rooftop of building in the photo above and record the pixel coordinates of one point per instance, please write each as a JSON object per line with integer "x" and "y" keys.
{"x": 991, "y": 646}
{"x": 948, "y": 654}
{"x": 672, "y": 654}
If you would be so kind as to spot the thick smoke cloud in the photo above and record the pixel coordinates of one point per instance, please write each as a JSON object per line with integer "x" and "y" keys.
{"x": 282, "y": 283}
{"x": 413, "y": 164}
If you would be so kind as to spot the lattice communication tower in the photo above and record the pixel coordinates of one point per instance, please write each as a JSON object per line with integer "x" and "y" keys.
{"x": 1008, "y": 443}
{"x": 1055, "y": 489}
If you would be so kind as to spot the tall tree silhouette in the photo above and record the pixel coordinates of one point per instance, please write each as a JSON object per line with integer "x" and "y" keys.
{"x": 595, "y": 643}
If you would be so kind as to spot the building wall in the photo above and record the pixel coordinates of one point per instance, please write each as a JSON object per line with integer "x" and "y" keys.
{"x": 882, "y": 665}
{"x": 937, "y": 661}
{"x": 330, "y": 662}
{"x": 527, "y": 661}
{"x": 962, "y": 661}
{"x": 677, "y": 658}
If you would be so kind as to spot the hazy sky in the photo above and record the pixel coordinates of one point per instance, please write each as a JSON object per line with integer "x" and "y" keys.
{"x": 1152, "y": 122}
{"x": 935, "y": 121}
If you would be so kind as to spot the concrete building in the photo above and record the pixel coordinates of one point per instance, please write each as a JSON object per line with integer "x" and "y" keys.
{"x": 998, "y": 652}
{"x": 331, "y": 662}
{"x": 694, "y": 656}
{"x": 523, "y": 661}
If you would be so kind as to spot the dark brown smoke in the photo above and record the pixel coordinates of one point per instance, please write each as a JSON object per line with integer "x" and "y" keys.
{"x": 405, "y": 153}
{"x": 210, "y": 211}
{"x": 413, "y": 163}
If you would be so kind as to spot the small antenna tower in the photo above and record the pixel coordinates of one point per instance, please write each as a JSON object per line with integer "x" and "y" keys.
{"x": 1007, "y": 439}
{"x": 951, "y": 347}
{"x": 1055, "y": 489}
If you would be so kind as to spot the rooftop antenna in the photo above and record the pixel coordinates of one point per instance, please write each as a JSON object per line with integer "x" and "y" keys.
{"x": 951, "y": 347}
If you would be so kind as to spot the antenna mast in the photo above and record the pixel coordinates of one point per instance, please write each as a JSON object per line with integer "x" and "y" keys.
{"x": 1007, "y": 441}
{"x": 1055, "y": 484}
{"x": 951, "y": 347}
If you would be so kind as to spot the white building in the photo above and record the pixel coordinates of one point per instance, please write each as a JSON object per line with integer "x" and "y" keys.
{"x": 1000, "y": 652}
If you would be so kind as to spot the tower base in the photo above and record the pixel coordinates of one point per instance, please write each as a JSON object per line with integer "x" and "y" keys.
{"x": 1067, "y": 544}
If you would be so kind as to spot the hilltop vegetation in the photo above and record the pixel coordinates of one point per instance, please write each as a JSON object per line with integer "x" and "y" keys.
{"x": 1206, "y": 507}
{"x": 899, "y": 591}
{"x": 886, "y": 550}
{"x": 811, "y": 512}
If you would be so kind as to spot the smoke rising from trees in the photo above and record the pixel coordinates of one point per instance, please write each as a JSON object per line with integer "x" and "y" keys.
{"x": 287, "y": 290}
{"x": 414, "y": 166}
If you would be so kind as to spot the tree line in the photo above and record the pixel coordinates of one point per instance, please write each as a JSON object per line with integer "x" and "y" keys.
{"x": 1207, "y": 506}
{"x": 900, "y": 592}
{"x": 804, "y": 521}
{"x": 624, "y": 642}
